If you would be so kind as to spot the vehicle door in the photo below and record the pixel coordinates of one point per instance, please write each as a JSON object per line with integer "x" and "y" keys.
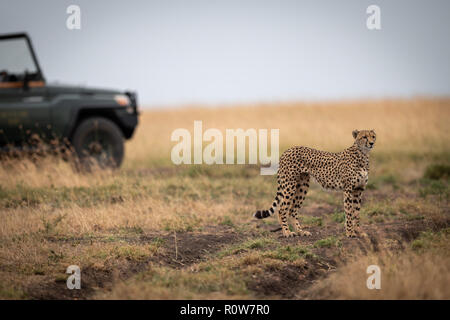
{"x": 24, "y": 105}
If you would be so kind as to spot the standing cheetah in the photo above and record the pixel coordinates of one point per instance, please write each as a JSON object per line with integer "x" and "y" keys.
{"x": 347, "y": 170}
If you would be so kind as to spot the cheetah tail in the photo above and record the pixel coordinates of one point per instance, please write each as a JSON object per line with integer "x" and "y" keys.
{"x": 261, "y": 214}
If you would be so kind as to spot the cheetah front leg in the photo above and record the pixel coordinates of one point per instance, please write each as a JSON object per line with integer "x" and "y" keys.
{"x": 356, "y": 208}
{"x": 348, "y": 208}
{"x": 352, "y": 207}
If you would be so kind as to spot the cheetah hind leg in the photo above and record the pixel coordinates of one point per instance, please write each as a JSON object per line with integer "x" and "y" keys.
{"x": 301, "y": 189}
{"x": 282, "y": 218}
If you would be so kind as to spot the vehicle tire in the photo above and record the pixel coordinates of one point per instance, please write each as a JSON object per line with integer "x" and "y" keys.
{"x": 98, "y": 141}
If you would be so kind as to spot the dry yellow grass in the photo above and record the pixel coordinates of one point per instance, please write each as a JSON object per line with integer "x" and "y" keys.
{"x": 416, "y": 125}
{"x": 53, "y": 216}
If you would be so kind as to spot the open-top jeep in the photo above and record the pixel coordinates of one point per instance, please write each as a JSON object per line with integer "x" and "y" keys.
{"x": 94, "y": 122}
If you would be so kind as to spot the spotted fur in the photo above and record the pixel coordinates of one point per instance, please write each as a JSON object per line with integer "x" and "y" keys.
{"x": 347, "y": 171}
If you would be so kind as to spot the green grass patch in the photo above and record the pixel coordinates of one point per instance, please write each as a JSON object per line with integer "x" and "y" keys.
{"x": 439, "y": 188}
{"x": 226, "y": 221}
{"x": 379, "y": 209}
{"x": 312, "y": 221}
{"x": 379, "y": 181}
{"x": 11, "y": 293}
{"x": 245, "y": 246}
{"x": 328, "y": 242}
{"x": 435, "y": 241}
{"x": 290, "y": 253}
{"x": 437, "y": 172}
{"x": 338, "y": 217}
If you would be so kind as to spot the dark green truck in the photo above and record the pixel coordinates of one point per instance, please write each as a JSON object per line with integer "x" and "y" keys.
{"x": 94, "y": 122}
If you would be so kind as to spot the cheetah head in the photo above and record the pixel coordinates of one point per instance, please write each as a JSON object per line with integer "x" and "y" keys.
{"x": 364, "y": 139}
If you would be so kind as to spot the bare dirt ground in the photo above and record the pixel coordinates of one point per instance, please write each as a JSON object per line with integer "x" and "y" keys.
{"x": 180, "y": 251}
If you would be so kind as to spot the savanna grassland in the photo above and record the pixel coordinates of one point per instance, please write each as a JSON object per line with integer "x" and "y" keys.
{"x": 154, "y": 230}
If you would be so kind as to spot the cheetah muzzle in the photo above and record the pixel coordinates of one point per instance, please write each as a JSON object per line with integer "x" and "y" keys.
{"x": 347, "y": 171}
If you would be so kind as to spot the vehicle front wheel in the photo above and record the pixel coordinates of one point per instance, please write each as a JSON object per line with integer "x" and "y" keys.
{"x": 99, "y": 141}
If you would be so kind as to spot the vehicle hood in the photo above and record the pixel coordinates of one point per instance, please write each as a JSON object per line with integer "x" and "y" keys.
{"x": 70, "y": 89}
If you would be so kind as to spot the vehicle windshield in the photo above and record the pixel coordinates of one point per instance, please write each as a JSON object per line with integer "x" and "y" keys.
{"x": 16, "y": 60}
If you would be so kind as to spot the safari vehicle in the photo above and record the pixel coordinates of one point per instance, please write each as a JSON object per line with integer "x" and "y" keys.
{"x": 94, "y": 122}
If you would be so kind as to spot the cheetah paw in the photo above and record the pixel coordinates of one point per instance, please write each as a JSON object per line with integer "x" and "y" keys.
{"x": 363, "y": 234}
{"x": 289, "y": 234}
{"x": 351, "y": 235}
{"x": 358, "y": 233}
{"x": 304, "y": 233}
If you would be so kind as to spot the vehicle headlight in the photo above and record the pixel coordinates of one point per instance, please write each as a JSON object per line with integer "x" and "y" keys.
{"x": 122, "y": 99}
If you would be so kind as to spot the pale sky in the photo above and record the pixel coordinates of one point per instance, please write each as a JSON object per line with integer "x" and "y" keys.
{"x": 213, "y": 52}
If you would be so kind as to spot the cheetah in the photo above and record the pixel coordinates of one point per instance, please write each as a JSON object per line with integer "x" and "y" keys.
{"x": 347, "y": 171}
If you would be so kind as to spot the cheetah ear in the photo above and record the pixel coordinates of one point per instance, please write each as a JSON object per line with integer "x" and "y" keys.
{"x": 355, "y": 133}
